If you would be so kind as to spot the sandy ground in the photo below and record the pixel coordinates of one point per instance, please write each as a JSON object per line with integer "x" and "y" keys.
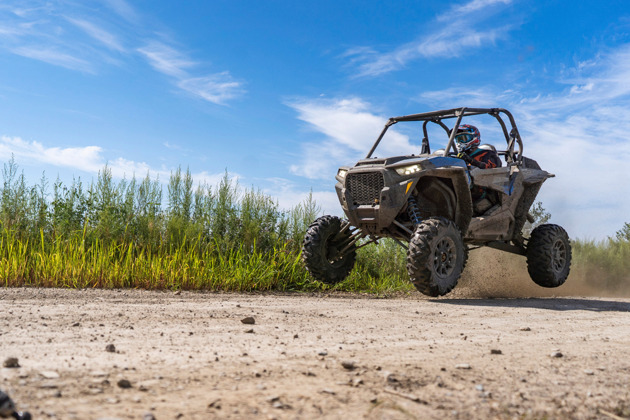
{"x": 190, "y": 356}
{"x": 497, "y": 347}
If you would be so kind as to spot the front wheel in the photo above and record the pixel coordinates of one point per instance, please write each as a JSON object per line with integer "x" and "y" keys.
{"x": 549, "y": 255}
{"x": 436, "y": 256}
{"x": 322, "y": 248}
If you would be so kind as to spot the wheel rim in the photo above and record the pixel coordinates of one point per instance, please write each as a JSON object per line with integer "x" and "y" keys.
{"x": 331, "y": 250}
{"x": 334, "y": 246}
{"x": 558, "y": 256}
{"x": 444, "y": 258}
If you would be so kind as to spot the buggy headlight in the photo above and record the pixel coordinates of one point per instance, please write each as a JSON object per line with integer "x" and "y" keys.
{"x": 408, "y": 170}
{"x": 342, "y": 173}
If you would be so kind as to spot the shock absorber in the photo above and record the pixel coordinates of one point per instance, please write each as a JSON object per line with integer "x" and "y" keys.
{"x": 412, "y": 210}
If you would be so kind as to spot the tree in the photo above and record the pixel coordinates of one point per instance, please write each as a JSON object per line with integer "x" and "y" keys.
{"x": 540, "y": 216}
{"x": 623, "y": 234}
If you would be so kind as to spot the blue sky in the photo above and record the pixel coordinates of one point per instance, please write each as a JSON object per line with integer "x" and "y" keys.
{"x": 281, "y": 93}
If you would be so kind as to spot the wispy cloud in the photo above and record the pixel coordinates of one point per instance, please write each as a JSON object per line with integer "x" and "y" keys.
{"x": 470, "y": 7}
{"x": 458, "y": 32}
{"x": 216, "y": 88}
{"x": 7, "y": 31}
{"x": 603, "y": 80}
{"x": 106, "y": 38}
{"x": 54, "y": 57}
{"x": 48, "y": 33}
{"x": 55, "y": 33}
{"x": 479, "y": 97}
{"x": 177, "y": 147}
{"x": 123, "y": 9}
{"x": 166, "y": 59}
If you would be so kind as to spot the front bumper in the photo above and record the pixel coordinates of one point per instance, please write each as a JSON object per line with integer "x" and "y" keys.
{"x": 372, "y": 198}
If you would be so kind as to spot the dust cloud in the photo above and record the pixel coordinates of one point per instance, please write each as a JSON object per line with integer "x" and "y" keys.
{"x": 495, "y": 274}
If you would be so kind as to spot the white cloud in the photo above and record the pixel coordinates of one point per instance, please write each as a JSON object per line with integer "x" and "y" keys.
{"x": 124, "y": 168}
{"x": 320, "y": 160}
{"x": 471, "y": 6}
{"x": 347, "y": 121}
{"x": 84, "y": 158}
{"x": 123, "y": 9}
{"x": 216, "y": 88}
{"x": 581, "y": 88}
{"x": 44, "y": 33}
{"x": 349, "y": 129}
{"x": 166, "y": 59}
{"x": 9, "y": 31}
{"x": 100, "y": 34}
{"x": 54, "y": 57}
{"x": 463, "y": 96}
{"x": 457, "y": 34}
{"x": 90, "y": 159}
{"x": 289, "y": 195}
{"x": 177, "y": 147}
{"x": 452, "y": 42}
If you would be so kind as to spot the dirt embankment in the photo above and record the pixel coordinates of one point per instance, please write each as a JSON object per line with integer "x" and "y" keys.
{"x": 190, "y": 356}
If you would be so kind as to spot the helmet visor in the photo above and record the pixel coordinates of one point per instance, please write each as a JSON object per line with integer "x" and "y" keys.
{"x": 463, "y": 138}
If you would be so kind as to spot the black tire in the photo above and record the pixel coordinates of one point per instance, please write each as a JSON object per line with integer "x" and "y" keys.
{"x": 549, "y": 255}
{"x": 436, "y": 256}
{"x": 322, "y": 243}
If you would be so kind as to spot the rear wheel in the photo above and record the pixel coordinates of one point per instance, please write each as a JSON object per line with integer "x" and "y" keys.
{"x": 549, "y": 255}
{"x": 436, "y": 256}
{"x": 322, "y": 248}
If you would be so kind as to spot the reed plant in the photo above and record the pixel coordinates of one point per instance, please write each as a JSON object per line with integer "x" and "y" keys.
{"x": 127, "y": 233}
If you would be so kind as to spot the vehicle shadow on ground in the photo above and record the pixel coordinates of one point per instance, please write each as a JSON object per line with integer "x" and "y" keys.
{"x": 554, "y": 304}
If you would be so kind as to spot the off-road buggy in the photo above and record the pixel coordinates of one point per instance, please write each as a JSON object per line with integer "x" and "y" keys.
{"x": 423, "y": 202}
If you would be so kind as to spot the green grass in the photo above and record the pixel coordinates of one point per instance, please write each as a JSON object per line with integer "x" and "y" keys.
{"x": 223, "y": 238}
{"x": 71, "y": 263}
{"x": 604, "y": 265}
{"x": 121, "y": 235}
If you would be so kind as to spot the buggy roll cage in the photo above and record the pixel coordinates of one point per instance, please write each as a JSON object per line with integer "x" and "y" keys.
{"x": 436, "y": 117}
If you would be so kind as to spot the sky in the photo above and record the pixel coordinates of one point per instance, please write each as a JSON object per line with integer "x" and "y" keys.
{"x": 281, "y": 93}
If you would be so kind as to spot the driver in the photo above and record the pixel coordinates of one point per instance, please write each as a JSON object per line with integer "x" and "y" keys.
{"x": 467, "y": 140}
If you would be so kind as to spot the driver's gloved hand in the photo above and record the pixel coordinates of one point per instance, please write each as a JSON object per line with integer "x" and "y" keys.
{"x": 470, "y": 161}
{"x": 463, "y": 156}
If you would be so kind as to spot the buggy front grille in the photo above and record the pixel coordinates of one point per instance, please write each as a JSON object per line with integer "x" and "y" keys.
{"x": 365, "y": 188}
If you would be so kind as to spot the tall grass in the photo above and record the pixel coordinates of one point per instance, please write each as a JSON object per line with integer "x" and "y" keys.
{"x": 129, "y": 233}
{"x": 136, "y": 233}
{"x": 603, "y": 265}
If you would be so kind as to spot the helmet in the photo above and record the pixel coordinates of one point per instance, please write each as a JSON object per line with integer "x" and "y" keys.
{"x": 467, "y": 137}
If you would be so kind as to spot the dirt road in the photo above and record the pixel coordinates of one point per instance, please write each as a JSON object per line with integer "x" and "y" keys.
{"x": 190, "y": 356}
